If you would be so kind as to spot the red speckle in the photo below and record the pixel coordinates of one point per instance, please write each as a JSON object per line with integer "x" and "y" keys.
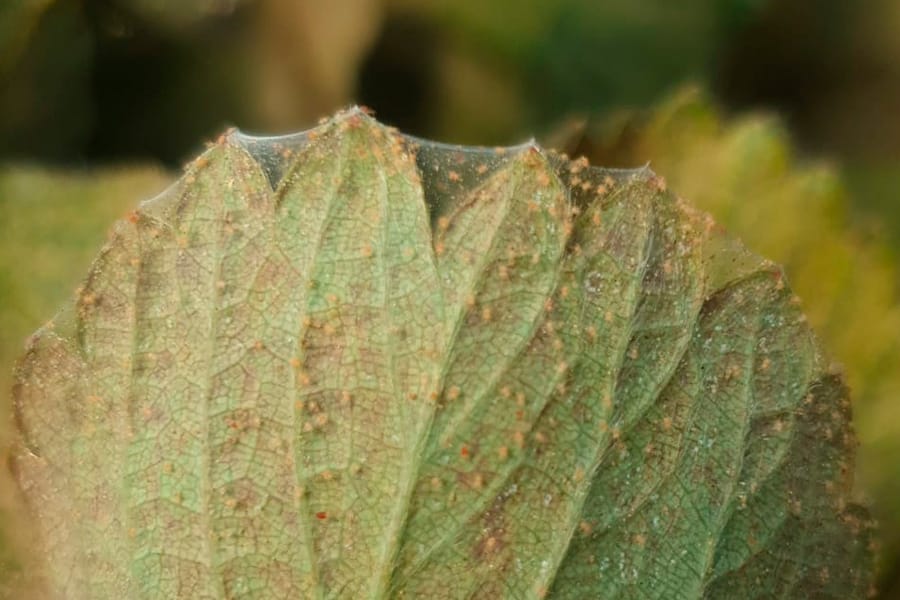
{"x": 464, "y": 451}
{"x": 321, "y": 515}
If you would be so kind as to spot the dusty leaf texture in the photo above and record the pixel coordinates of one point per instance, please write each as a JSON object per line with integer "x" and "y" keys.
{"x": 352, "y": 364}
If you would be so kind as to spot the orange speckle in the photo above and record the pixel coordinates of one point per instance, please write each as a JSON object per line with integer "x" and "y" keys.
{"x": 367, "y": 251}
{"x": 519, "y": 439}
{"x": 453, "y": 393}
{"x": 453, "y": 176}
{"x": 586, "y": 528}
{"x": 607, "y": 401}
{"x": 444, "y": 223}
{"x": 667, "y": 423}
{"x": 667, "y": 267}
{"x": 503, "y": 452}
{"x": 481, "y": 169}
{"x": 486, "y": 314}
{"x": 779, "y": 281}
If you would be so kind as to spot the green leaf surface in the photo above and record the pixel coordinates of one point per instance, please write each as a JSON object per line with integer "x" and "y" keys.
{"x": 746, "y": 173}
{"x": 350, "y": 364}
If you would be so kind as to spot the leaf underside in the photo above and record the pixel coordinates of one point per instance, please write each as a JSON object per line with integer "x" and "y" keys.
{"x": 351, "y": 364}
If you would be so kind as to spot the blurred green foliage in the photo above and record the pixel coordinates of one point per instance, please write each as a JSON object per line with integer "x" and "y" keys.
{"x": 569, "y": 55}
{"x": 18, "y": 18}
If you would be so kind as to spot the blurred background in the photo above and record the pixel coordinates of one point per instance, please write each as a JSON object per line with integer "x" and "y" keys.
{"x": 781, "y": 117}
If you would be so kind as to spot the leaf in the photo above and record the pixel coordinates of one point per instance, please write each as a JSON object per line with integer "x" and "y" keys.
{"x": 744, "y": 171}
{"x": 352, "y": 364}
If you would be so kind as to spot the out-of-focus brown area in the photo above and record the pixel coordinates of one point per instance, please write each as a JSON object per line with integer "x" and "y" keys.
{"x": 88, "y": 87}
